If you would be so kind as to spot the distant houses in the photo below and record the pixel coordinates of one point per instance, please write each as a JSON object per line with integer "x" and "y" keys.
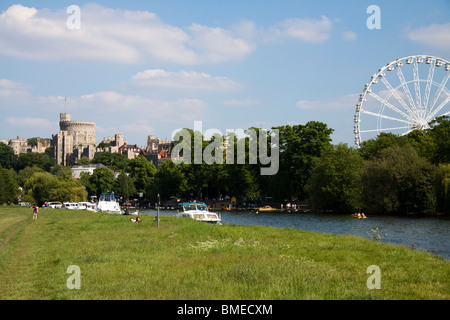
{"x": 87, "y": 168}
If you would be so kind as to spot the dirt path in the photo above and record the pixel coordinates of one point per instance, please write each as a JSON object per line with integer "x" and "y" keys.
{"x": 19, "y": 225}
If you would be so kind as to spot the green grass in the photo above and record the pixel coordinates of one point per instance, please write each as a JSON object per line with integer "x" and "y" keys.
{"x": 185, "y": 259}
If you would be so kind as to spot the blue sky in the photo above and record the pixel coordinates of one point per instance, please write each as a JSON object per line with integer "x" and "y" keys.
{"x": 150, "y": 67}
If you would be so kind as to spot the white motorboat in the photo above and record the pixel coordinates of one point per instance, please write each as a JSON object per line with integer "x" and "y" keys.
{"x": 108, "y": 203}
{"x": 55, "y": 205}
{"x": 87, "y": 206}
{"x": 81, "y": 206}
{"x": 70, "y": 205}
{"x": 198, "y": 211}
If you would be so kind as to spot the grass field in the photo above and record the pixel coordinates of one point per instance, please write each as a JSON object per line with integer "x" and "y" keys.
{"x": 185, "y": 259}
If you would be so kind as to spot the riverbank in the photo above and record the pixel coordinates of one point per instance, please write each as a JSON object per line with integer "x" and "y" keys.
{"x": 430, "y": 234}
{"x": 185, "y": 259}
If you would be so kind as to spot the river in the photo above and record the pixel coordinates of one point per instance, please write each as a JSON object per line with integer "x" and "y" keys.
{"x": 428, "y": 234}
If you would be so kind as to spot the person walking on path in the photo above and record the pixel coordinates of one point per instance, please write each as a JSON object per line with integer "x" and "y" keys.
{"x": 35, "y": 212}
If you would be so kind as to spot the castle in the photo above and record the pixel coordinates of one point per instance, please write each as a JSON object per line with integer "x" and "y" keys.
{"x": 76, "y": 139}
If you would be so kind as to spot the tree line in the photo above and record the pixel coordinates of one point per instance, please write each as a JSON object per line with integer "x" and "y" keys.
{"x": 389, "y": 174}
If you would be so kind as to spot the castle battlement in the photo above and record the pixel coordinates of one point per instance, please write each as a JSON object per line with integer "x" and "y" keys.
{"x": 67, "y": 124}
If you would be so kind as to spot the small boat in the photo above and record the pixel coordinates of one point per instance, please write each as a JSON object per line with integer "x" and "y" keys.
{"x": 87, "y": 206}
{"x": 70, "y": 205}
{"x": 108, "y": 203}
{"x": 55, "y": 205}
{"x": 267, "y": 208}
{"x": 198, "y": 211}
{"x": 359, "y": 215}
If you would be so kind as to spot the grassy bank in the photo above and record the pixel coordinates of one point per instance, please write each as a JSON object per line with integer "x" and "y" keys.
{"x": 185, "y": 259}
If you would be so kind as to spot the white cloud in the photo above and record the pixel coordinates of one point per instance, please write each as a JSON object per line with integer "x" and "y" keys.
{"x": 218, "y": 45}
{"x": 10, "y": 88}
{"x": 17, "y": 96}
{"x": 304, "y": 29}
{"x": 115, "y": 35}
{"x": 434, "y": 36}
{"x": 129, "y": 108}
{"x": 135, "y": 37}
{"x": 242, "y": 103}
{"x": 245, "y": 29}
{"x": 30, "y": 122}
{"x": 349, "y": 36}
{"x": 140, "y": 127}
{"x": 183, "y": 80}
{"x": 347, "y": 102}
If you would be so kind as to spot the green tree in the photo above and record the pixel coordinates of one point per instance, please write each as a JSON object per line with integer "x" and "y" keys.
{"x": 83, "y": 161}
{"x": 101, "y": 181}
{"x": 103, "y": 145}
{"x": 85, "y": 181}
{"x": 63, "y": 173}
{"x": 299, "y": 144}
{"x": 115, "y": 161}
{"x": 196, "y": 180}
{"x": 7, "y": 159}
{"x": 42, "y": 161}
{"x": 27, "y": 173}
{"x": 440, "y": 133}
{"x": 39, "y": 186}
{"x": 398, "y": 181}
{"x": 169, "y": 180}
{"x": 216, "y": 181}
{"x": 334, "y": 179}
{"x": 8, "y": 186}
{"x": 142, "y": 172}
{"x": 372, "y": 148}
{"x": 443, "y": 189}
{"x": 32, "y": 142}
{"x": 423, "y": 143}
{"x": 239, "y": 182}
{"x": 125, "y": 186}
{"x": 68, "y": 191}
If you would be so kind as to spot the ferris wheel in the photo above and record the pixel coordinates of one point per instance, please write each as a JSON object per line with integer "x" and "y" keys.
{"x": 402, "y": 96}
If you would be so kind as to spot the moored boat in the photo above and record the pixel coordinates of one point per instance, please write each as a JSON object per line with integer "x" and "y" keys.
{"x": 70, "y": 205}
{"x": 87, "y": 206}
{"x": 55, "y": 205}
{"x": 267, "y": 208}
{"x": 108, "y": 203}
{"x": 198, "y": 211}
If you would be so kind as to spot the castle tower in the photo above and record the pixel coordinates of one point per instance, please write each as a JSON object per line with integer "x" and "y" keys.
{"x": 64, "y": 117}
{"x": 73, "y": 136}
{"x": 83, "y": 132}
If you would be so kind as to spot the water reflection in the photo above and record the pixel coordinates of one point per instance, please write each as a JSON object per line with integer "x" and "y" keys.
{"x": 429, "y": 234}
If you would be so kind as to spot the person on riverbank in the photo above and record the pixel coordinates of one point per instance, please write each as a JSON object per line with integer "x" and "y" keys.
{"x": 35, "y": 212}
{"x": 135, "y": 221}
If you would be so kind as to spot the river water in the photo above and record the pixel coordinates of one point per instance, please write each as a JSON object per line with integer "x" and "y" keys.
{"x": 428, "y": 234}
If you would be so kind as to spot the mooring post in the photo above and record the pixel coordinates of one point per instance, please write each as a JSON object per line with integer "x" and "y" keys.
{"x": 157, "y": 215}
